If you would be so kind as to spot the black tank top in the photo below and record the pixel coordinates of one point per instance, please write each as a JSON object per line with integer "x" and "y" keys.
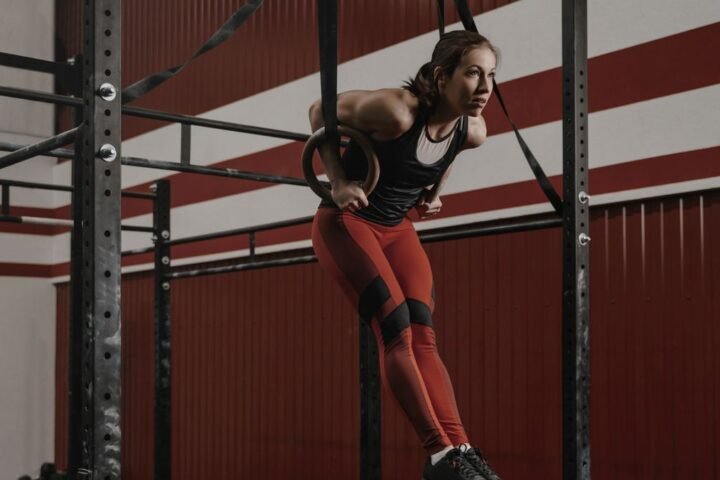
{"x": 402, "y": 175}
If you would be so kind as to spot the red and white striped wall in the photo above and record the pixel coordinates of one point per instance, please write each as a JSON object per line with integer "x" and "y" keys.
{"x": 653, "y": 126}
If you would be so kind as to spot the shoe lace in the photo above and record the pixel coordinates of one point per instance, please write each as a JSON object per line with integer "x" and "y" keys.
{"x": 478, "y": 461}
{"x": 460, "y": 464}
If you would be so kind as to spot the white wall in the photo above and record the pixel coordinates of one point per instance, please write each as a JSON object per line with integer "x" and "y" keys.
{"x": 27, "y": 374}
{"x": 27, "y": 305}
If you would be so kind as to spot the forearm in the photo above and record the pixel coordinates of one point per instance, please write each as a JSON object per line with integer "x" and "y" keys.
{"x": 434, "y": 191}
{"x": 329, "y": 153}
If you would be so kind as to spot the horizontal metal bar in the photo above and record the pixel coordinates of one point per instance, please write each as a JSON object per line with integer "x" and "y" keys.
{"x": 220, "y": 172}
{"x": 245, "y": 266}
{"x": 215, "y": 124}
{"x": 138, "y": 251}
{"x": 481, "y": 230}
{"x": 61, "y": 222}
{"x": 148, "y": 196}
{"x": 25, "y": 94}
{"x": 40, "y": 186}
{"x": 493, "y": 228}
{"x": 241, "y": 231}
{"x": 65, "y": 188}
{"x": 137, "y": 228}
{"x": 177, "y": 167}
{"x": 34, "y": 64}
{"x": 158, "y": 115}
{"x": 53, "y": 222}
{"x": 39, "y": 148}
{"x": 58, "y": 152}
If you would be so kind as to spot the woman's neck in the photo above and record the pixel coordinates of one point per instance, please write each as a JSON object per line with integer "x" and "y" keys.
{"x": 441, "y": 120}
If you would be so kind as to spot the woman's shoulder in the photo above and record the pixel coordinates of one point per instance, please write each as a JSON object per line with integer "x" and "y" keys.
{"x": 384, "y": 113}
{"x": 477, "y": 132}
{"x": 399, "y": 108}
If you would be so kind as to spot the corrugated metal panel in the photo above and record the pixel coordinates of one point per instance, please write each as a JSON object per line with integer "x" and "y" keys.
{"x": 656, "y": 306}
{"x": 278, "y": 44}
{"x": 265, "y": 362}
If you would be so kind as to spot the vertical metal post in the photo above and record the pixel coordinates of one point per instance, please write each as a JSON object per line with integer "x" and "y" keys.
{"x": 78, "y": 292}
{"x": 75, "y": 331}
{"x": 576, "y": 257}
{"x": 370, "y": 465}
{"x": 251, "y": 241}
{"x": 95, "y": 415}
{"x": 5, "y": 198}
{"x": 185, "y": 138}
{"x": 161, "y": 224}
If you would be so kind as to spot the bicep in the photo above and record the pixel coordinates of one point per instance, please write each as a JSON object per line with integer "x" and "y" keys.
{"x": 477, "y": 133}
{"x": 371, "y": 111}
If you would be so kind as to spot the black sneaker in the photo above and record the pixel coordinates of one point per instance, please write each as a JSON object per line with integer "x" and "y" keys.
{"x": 453, "y": 466}
{"x": 475, "y": 458}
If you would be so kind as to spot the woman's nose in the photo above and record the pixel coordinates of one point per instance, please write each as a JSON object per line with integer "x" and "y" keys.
{"x": 483, "y": 85}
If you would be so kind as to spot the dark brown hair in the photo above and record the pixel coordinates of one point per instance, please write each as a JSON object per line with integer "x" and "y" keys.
{"x": 447, "y": 54}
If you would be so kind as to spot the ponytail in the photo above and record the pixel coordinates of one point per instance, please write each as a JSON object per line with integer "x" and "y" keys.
{"x": 424, "y": 86}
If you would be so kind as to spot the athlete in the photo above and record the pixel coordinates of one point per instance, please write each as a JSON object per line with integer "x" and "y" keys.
{"x": 369, "y": 244}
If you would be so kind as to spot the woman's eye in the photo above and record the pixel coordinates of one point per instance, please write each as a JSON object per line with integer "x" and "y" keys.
{"x": 474, "y": 72}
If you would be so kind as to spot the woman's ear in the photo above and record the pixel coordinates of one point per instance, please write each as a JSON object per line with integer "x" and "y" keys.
{"x": 439, "y": 78}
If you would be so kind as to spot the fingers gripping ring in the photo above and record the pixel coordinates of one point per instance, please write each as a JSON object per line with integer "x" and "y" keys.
{"x": 317, "y": 138}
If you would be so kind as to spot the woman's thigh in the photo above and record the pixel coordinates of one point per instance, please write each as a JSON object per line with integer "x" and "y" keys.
{"x": 350, "y": 250}
{"x": 411, "y": 266}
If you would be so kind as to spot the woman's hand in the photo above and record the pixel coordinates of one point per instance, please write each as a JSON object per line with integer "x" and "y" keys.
{"x": 349, "y": 195}
{"x": 428, "y": 204}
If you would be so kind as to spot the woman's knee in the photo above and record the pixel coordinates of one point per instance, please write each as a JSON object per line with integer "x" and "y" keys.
{"x": 394, "y": 324}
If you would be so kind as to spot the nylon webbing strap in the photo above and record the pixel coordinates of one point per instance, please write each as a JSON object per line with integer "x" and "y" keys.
{"x": 327, "y": 35}
{"x": 441, "y": 16}
{"x": 465, "y": 16}
{"x": 469, "y": 23}
{"x": 144, "y": 86}
{"x": 542, "y": 179}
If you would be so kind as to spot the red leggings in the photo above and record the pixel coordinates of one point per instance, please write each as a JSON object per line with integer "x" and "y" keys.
{"x": 385, "y": 272}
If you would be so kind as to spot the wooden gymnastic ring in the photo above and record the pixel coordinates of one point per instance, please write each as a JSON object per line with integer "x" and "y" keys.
{"x": 317, "y": 138}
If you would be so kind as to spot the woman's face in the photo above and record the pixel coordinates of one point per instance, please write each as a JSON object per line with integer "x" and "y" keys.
{"x": 469, "y": 88}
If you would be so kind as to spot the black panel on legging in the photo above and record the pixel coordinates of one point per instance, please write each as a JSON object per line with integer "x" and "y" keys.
{"x": 419, "y": 312}
{"x": 372, "y": 298}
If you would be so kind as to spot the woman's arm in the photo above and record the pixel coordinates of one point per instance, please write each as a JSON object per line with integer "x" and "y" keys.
{"x": 477, "y": 133}
{"x": 383, "y": 114}
{"x": 429, "y": 202}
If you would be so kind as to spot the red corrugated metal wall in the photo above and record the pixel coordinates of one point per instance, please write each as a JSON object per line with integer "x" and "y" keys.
{"x": 265, "y": 362}
{"x": 164, "y": 33}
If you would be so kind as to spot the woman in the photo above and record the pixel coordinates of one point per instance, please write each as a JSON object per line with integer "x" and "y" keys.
{"x": 370, "y": 247}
